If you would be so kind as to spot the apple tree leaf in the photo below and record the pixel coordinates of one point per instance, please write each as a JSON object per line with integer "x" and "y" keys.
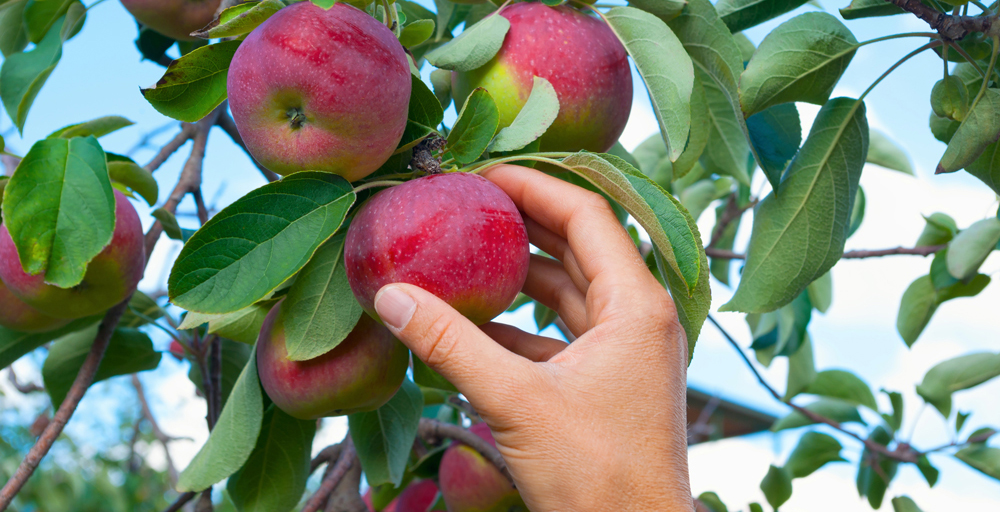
{"x": 475, "y": 127}
{"x": 985, "y": 459}
{"x": 843, "y": 385}
{"x": 97, "y": 127}
{"x": 740, "y": 15}
{"x": 474, "y": 47}
{"x": 384, "y": 437}
{"x": 978, "y": 131}
{"x": 971, "y": 246}
{"x": 425, "y": 114}
{"x": 814, "y": 450}
{"x": 776, "y": 134}
{"x": 14, "y": 344}
{"x": 194, "y": 84}
{"x": 127, "y": 173}
{"x": 239, "y": 19}
{"x": 13, "y": 36}
{"x": 532, "y": 121}
{"x": 957, "y": 374}
{"x": 882, "y": 151}
{"x": 24, "y": 74}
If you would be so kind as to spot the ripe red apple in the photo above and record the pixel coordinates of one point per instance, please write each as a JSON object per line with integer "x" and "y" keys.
{"x": 16, "y": 315}
{"x": 417, "y": 497}
{"x": 177, "y": 350}
{"x": 320, "y": 90}
{"x": 173, "y": 18}
{"x": 456, "y": 235}
{"x": 391, "y": 507}
{"x": 361, "y": 374}
{"x": 579, "y": 55}
{"x": 111, "y": 276}
{"x": 470, "y": 483}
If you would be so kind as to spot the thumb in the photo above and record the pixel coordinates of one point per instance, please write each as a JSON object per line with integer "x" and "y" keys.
{"x": 450, "y": 344}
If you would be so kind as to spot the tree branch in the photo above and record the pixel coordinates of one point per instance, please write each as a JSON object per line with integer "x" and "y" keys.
{"x": 903, "y": 452}
{"x": 30, "y": 387}
{"x": 730, "y": 213}
{"x": 332, "y": 477}
{"x": 163, "y": 438}
{"x": 168, "y": 149}
{"x": 84, "y": 378}
{"x": 325, "y": 456}
{"x": 925, "y": 250}
{"x": 229, "y": 126}
{"x": 433, "y": 429}
{"x": 950, "y": 27}
{"x": 182, "y": 500}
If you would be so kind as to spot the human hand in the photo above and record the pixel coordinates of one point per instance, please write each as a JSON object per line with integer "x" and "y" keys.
{"x": 598, "y": 424}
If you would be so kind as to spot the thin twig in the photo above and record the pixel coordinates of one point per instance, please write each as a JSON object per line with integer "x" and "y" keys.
{"x": 466, "y": 408}
{"x": 215, "y": 373}
{"x": 925, "y": 250}
{"x": 730, "y": 213}
{"x": 433, "y": 429}
{"x": 163, "y": 438}
{"x": 903, "y": 452}
{"x": 30, "y": 387}
{"x": 182, "y": 500}
{"x": 229, "y": 126}
{"x": 326, "y": 455}
{"x": 332, "y": 477}
{"x": 84, "y": 378}
{"x": 168, "y": 149}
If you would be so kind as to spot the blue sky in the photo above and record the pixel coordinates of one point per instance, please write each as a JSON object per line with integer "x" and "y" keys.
{"x": 101, "y": 72}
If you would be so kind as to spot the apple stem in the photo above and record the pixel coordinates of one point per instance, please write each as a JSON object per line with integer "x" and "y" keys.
{"x": 373, "y": 184}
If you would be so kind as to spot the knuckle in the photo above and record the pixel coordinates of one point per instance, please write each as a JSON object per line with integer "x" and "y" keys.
{"x": 440, "y": 341}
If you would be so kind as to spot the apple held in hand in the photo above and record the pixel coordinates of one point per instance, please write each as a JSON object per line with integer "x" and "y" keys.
{"x": 320, "y": 90}
{"x": 361, "y": 374}
{"x": 173, "y": 18}
{"x": 111, "y": 276}
{"x": 16, "y": 315}
{"x": 456, "y": 235}
{"x": 579, "y": 55}
{"x": 470, "y": 483}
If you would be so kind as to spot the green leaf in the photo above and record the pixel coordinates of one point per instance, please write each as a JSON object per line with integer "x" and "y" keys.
{"x": 983, "y": 458}
{"x": 14, "y": 344}
{"x": 916, "y": 307}
{"x": 274, "y": 477}
{"x": 693, "y": 309}
{"x": 940, "y": 229}
{"x": 655, "y": 48}
{"x": 129, "y": 351}
{"x": 13, "y": 36}
{"x": 225, "y": 267}
{"x": 883, "y": 152}
{"x": 698, "y": 137}
{"x": 239, "y": 19}
{"x": 836, "y": 410}
{"x": 425, "y": 113}
{"x": 532, "y": 121}
{"x": 901, "y": 503}
{"x": 666, "y": 10}
{"x": 169, "y": 223}
{"x": 719, "y": 267}
{"x": 970, "y": 248}
{"x": 929, "y": 472}
{"x": 977, "y": 131}
{"x": 777, "y": 486}
{"x": 821, "y": 291}
{"x": 325, "y": 4}
{"x": 800, "y": 228}
{"x": 97, "y": 127}
{"x": 320, "y": 310}
{"x": 428, "y": 378}
{"x": 896, "y": 419}
{"x": 416, "y": 32}
{"x": 234, "y": 357}
{"x": 136, "y": 178}
{"x": 618, "y": 150}
{"x": 234, "y": 437}
{"x": 776, "y": 133}
{"x": 41, "y": 15}
{"x": 813, "y": 452}
{"x": 441, "y": 81}
{"x": 801, "y": 60}
{"x": 651, "y": 155}
{"x": 544, "y": 316}
{"x": 476, "y": 124}
{"x": 950, "y": 98}
{"x": 857, "y": 213}
{"x": 24, "y": 74}
{"x": 987, "y": 167}
{"x": 740, "y": 15}
{"x": 727, "y": 151}
{"x": 141, "y": 309}
{"x": 957, "y": 374}
{"x": 845, "y": 386}
{"x": 870, "y": 481}
{"x": 384, "y": 437}
{"x": 194, "y": 84}
{"x": 57, "y": 180}
{"x": 474, "y": 47}
{"x": 242, "y": 326}
{"x": 801, "y": 369}
{"x": 868, "y": 9}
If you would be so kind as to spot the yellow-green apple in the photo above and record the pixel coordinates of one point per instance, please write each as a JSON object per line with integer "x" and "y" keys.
{"x": 456, "y": 235}
{"x": 321, "y": 90}
{"x": 16, "y": 315}
{"x": 173, "y": 18}
{"x": 361, "y": 374}
{"x": 579, "y": 55}
{"x": 111, "y": 276}
{"x": 470, "y": 483}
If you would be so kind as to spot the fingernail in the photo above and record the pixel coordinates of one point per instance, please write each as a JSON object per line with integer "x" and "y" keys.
{"x": 395, "y": 307}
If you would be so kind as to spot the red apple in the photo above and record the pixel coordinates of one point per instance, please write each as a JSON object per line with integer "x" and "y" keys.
{"x": 417, "y": 497}
{"x": 391, "y": 507}
{"x": 173, "y": 18}
{"x": 579, "y": 55}
{"x": 110, "y": 278}
{"x": 177, "y": 350}
{"x": 470, "y": 483}
{"x": 456, "y": 235}
{"x": 321, "y": 90}
{"x": 361, "y": 374}
{"x": 16, "y": 315}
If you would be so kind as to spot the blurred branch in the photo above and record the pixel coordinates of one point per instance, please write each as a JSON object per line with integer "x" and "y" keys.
{"x": 84, "y": 378}
{"x": 30, "y": 387}
{"x": 187, "y": 132}
{"x": 730, "y": 213}
{"x": 701, "y": 429}
{"x": 925, "y": 250}
{"x": 229, "y": 126}
{"x": 950, "y": 27}
{"x": 163, "y": 438}
{"x": 325, "y": 456}
{"x": 182, "y": 500}
{"x": 346, "y": 496}
{"x": 903, "y": 451}
{"x": 466, "y": 408}
{"x": 435, "y": 430}
{"x": 334, "y": 474}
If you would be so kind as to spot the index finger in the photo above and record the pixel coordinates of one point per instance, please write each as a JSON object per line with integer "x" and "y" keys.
{"x": 584, "y": 218}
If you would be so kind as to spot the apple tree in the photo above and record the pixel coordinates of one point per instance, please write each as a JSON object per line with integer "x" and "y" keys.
{"x": 271, "y": 298}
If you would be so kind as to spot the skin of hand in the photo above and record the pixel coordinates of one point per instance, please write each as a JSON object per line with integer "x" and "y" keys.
{"x": 595, "y": 425}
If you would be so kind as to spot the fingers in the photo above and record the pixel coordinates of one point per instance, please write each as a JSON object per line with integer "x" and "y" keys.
{"x": 580, "y": 216}
{"x": 557, "y": 247}
{"x": 529, "y": 346}
{"x": 450, "y": 344}
{"x": 549, "y": 283}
